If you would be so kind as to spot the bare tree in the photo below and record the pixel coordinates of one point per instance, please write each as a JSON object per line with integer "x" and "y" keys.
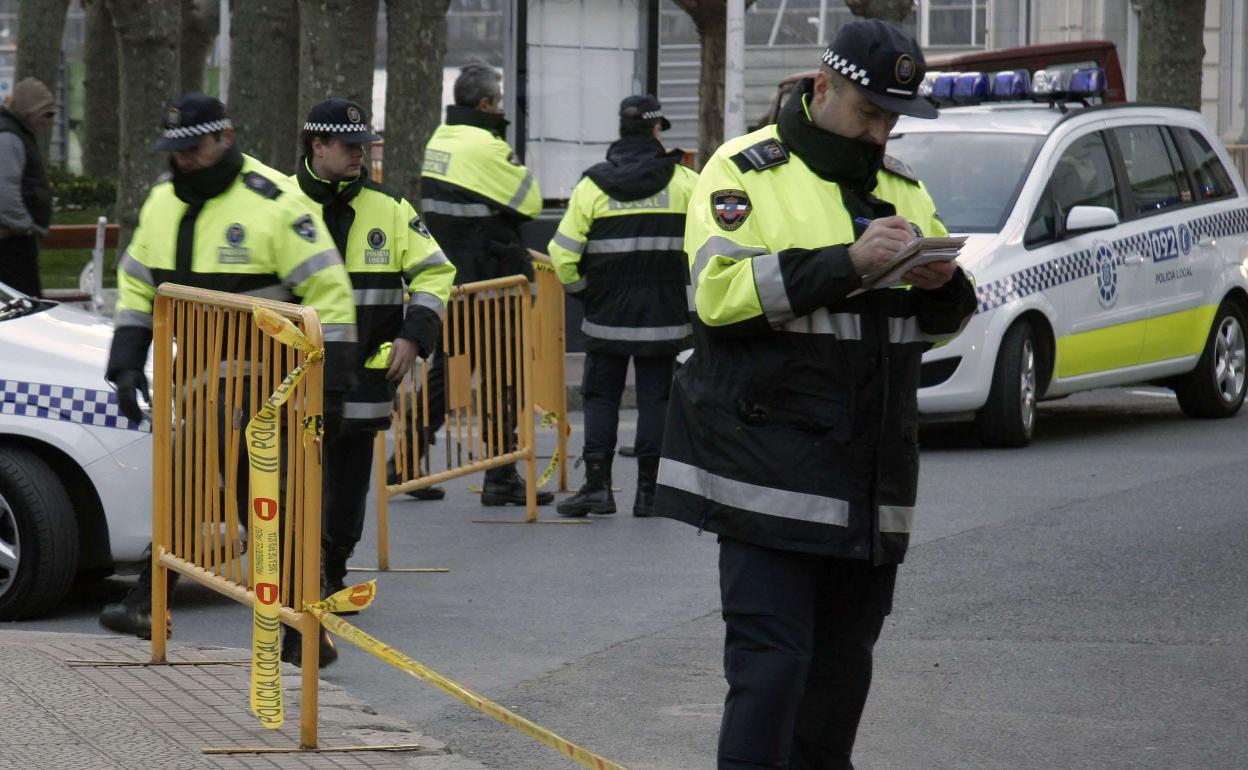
{"x": 1172, "y": 51}
{"x": 264, "y": 79}
{"x": 40, "y": 25}
{"x": 416, "y": 34}
{"x": 337, "y": 48}
{"x": 100, "y": 97}
{"x": 710, "y": 18}
{"x": 147, "y": 49}
{"x": 201, "y": 20}
{"x": 895, "y": 11}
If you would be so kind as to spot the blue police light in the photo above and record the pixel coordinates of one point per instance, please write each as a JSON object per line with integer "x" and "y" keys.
{"x": 942, "y": 89}
{"x": 1087, "y": 82}
{"x": 1049, "y": 83}
{"x": 970, "y": 88}
{"x": 1010, "y": 84}
{"x": 925, "y": 88}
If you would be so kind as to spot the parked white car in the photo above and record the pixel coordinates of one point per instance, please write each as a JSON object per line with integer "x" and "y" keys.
{"x": 1109, "y": 246}
{"x": 75, "y": 475}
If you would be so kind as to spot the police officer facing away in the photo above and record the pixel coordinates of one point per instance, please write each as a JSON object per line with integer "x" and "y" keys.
{"x": 793, "y": 431}
{"x": 474, "y": 197}
{"x": 222, "y": 220}
{"x": 389, "y": 254}
{"x": 619, "y": 249}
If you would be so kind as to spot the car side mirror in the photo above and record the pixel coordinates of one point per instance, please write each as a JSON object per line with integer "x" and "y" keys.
{"x": 1085, "y": 219}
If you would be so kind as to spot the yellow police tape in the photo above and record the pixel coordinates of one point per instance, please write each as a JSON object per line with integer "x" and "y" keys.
{"x": 549, "y": 419}
{"x": 264, "y": 460}
{"x": 358, "y": 597}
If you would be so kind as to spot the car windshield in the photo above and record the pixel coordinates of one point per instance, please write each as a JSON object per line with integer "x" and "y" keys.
{"x": 973, "y": 178}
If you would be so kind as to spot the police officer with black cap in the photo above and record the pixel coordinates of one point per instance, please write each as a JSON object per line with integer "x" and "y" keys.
{"x": 390, "y": 256}
{"x": 793, "y": 432}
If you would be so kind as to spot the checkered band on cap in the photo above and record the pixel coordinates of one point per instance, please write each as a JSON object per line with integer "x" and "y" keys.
{"x": 200, "y": 129}
{"x": 337, "y": 128}
{"x": 845, "y": 67}
{"x": 652, "y": 115}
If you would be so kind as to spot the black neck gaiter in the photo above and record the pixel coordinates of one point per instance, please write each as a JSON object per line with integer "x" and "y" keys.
{"x": 199, "y": 186}
{"x": 850, "y": 163}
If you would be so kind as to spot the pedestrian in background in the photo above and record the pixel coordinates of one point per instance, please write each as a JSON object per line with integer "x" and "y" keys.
{"x": 25, "y": 194}
{"x": 793, "y": 429}
{"x": 619, "y": 249}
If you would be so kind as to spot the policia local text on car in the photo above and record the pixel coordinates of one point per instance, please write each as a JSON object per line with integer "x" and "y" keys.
{"x": 792, "y": 432}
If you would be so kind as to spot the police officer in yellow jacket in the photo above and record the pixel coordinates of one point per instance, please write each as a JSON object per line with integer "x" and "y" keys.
{"x": 221, "y": 220}
{"x": 474, "y": 197}
{"x": 390, "y": 255}
{"x": 793, "y": 428}
{"x": 619, "y": 249}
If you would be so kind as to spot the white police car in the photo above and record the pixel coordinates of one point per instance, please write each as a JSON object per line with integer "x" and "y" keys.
{"x": 75, "y": 475}
{"x": 1109, "y": 245}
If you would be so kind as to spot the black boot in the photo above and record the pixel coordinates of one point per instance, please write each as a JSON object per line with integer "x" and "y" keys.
{"x": 424, "y": 493}
{"x": 504, "y": 486}
{"x": 133, "y": 614}
{"x": 647, "y": 479}
{"x": 292, "y": 647}
{"x": 594, "y": 496}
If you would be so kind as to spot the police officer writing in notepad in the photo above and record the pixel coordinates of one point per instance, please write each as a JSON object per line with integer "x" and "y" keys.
{"x": 619, "y": 249}
{"x": 389, "y": 254}
{"x": 792, "y": 432}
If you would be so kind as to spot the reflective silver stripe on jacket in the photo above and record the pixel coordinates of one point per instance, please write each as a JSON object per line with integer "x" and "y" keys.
{"x": 577, "y": 285}
{"x": 752, "y": 497}
{"x": 431, "y": 206}
{"x": 276, "y": 292}
{"x": 338, "y": 332}
{"x": 569, "y": 243}
{"x": 378, "y": 297}
{"x": 844, "y": 326}
{"x": 721, "y": 246}
{"x": 425, "y": 299}
{"x": 137, "y": 270}
{"x": 133, "y": 318}
{"x": 525, "y": 185}
{"x": 311, "y": 266}
{"x": 365, "y": 410}
{"x": 769, "y": 282}
{"x": 436, "y": 258}
{"x": 636, "y": 333}
{"x": 693, "y": 308}
{"x": 904, "y": 330}
{"x": 896, "y": 518}
{"x": 644, "y": 243}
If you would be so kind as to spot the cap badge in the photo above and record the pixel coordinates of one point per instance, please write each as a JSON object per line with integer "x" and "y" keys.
{"x": 173, "y": 118}
{"x": 905, "y": 69}
{"x": 353, "y": 115}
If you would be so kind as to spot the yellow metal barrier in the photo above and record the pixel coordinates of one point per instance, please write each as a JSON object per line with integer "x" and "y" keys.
{"x": 225, "y": 368}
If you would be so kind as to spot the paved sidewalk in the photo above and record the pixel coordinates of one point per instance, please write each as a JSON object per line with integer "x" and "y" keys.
{"x": 62, "y": 716}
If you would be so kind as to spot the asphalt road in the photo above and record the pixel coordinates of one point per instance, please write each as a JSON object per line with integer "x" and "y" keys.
{"x": 1082, "y": 603}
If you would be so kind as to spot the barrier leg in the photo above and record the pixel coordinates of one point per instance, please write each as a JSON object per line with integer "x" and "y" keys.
{"x": 160, "y": 604}
{"x": 383, "y": 504}
{"x": 310, "y": 676}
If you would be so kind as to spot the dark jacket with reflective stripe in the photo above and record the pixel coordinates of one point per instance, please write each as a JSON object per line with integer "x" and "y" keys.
{"x": 389, "y": 254}
{"x": 794, "y": 424}
{"x": 475, "y": 195}
{"x": 236, "y": 227}
{"x": 619, "y": 248}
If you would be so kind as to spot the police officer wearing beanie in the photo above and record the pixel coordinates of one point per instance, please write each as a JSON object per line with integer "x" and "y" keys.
{"x": 390, "y": 255}
{"x": 25, "y": 194}
{"x": 222, "y": 220}
{"x": 793, "y": 432}
{"x": 619, "y": 249}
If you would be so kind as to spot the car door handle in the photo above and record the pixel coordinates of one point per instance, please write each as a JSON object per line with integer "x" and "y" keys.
{"x": 1206, "y": 242}
{"x": 1134, "y": 259}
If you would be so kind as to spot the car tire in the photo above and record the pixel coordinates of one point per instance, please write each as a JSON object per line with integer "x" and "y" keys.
{"x": 1215, "y": 388}
{"x": 1009, "y": 417}
{"x": 38, "y": 536}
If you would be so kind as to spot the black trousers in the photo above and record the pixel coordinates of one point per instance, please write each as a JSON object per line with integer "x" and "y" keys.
{"x": 348, "y": 467}
{"x": 602, "y": 385}
{"x": 797, "y": 655}
{"x": 19, "y": 264}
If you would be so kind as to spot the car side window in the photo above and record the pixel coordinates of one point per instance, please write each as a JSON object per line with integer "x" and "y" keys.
{"x": 1083, "y": 176}
{"x": 1151, "y": 171}
{"x": 1212, "y": 179}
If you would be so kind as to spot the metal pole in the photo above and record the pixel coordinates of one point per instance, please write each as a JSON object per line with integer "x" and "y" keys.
{"x": 223, "y": 52}
{"x": 823, "y": 21}
{"x": 734, "y": 71}
{"x": 97, "y": 266}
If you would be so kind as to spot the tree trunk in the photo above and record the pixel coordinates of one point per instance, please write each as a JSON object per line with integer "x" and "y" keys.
{"x": 147, "y": 55}
{"x": 201, "y": 20}
{"x": 264, "y": 79}
{"x": 712, "y": 29}
{"x": 416, "y": 40}
{"x": 895, "y": 11}
{"x": 101, "y": 124}
{"x": 337, "y": 50}
{"x": 40, "y": 25}
{"x": 1172, "y": 51}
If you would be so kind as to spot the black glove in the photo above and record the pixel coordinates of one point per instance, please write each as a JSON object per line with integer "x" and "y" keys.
{"x": 131, "y": 382}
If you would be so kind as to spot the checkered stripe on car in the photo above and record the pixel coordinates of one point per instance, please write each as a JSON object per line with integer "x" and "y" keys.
{"x": 85, "y": 406}
{"x": 1055, "y": 272}
{"x": 1221, "y": 224}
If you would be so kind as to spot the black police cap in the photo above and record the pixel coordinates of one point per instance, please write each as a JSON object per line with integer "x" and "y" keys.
{"x": 190, "y": 118}
{"x": 884, "y": 63}
{"x": 643, "y": 107}
{"x": 341, "y": 119}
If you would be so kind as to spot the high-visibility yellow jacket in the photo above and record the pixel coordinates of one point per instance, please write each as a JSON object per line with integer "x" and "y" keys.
{"x": 238, "y": 227}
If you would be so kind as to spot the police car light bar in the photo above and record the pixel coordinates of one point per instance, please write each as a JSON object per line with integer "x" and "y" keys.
{"x": 964, "y": 88}
{"x": 970, "y": 88}
{"x": 1010, "y": 84}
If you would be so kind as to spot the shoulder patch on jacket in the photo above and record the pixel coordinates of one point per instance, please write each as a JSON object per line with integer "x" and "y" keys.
{"x": 900, "y": 169}
{"x": 730, "y": 208}
{"x": 419, "y": 227}
{"x": 261, "y": 185}
{"x": 305, "y": 228}
{"x": 762, "y": 156}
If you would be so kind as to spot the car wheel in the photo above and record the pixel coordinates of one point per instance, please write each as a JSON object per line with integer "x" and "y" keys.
{"x": 1009, "y": 417}
{"x": 1215, "y": 388}
{"x": 38, "y": 536}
